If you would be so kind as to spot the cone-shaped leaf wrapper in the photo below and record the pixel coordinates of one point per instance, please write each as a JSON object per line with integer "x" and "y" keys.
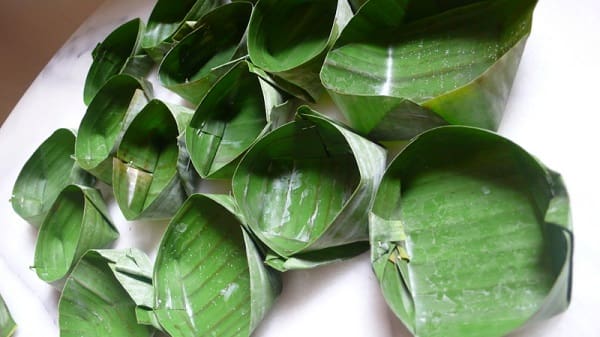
{"x": 232, "y": 116}
{"x": 152, "y": 173}
{"x": 170, "y": 21}
{"x": 105, "y": 121}
{"x": 395, "y": 71}
{"x": 204, "y": 55}
{"x": 305, "y": 190}
{"x": 471, "y": 235}
{"x": 78, "y": 221}
{"x": 209, "y": 276}
{"x": 290, "y": 38}
{"x": 119, "y": 53}
{"x": 50, "y": 169}
{"x": 7, "y": 324}
{"x": 94, "y": 302}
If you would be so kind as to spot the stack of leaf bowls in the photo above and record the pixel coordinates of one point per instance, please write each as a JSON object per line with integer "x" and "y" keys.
{"x": 469, "y": 234}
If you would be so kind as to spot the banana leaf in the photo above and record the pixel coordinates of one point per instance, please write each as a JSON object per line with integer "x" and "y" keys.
{"x": 195, "y": 63}
{"x": 170, "y": 21}
{"x": 305, "y": 190}
{"x": 471, "y": 235}
{"x": 356, "y": 4}
{"x": 50, "y": 169}
{"x": 209, "y": 276}
{"x": 7, "y": 324}
{"x": 78, "y": 221}
{"x": 415, "y": 10}
{"x": 152, "y": 173}
{"x": 234, "y": 114}
{"x": 290, "y": 38}
{"x": 404, "y": 11}
{"x": 119, "y": 53}
{"x": 107, "y": 117}
{"x": 133, "y": 270}
{"x": 94, "y": 302}
{"x": 402, "y": 67}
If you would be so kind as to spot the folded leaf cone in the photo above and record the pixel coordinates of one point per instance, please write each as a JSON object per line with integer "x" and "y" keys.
{"x": 94, "y": 302}
{"x": 119, "y": 53}
{"x": 209, "y": 275}
{"x": 194, "y": 64}
{"x": 236, "y": 111}
{"x": 7, "y": 324}
{"x": 471, "y": 235}
{"x": 78, "y": 221}
{"x": 106, "y": 119}
{"x": 152, "y": 174}
{"x": 305, "y": 190}
{"x": 170, "y": 21}
{"x": 402, "y": 67}
{"x": 50, "y": 169}
{"x": 290, "y": 38}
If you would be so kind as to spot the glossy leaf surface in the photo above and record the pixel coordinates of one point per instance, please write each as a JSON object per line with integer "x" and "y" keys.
{"x": 151, "y": 172}
{"x": 306, "y": 188}
{"x": 471, "y": 235}
{"x": 209, "y": 276}
{"x": 105, "y": 121}
{"x": 50, "y": 169}
{"x": 78, "y": 221}
{"x": 232, "y": 116}
{"x": 170, "y": 21}
{"x": 195, "y": 63}
{"x": 133, "y": 270}
{"x": 7, "y": 324}
{"x": 119, "y": 53}
{"x": 289, "y": 40}
{"x": 94, "y": 303}
{"x": 400, "y": 67}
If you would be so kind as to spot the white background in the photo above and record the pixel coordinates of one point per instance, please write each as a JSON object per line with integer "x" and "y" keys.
{"x": 552, "y": 113}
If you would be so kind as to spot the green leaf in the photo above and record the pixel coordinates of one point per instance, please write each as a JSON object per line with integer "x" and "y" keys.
{"x": 416, "y": 10}
{"x": 133, "y": 269}
{"x": 78, "y": 221}
{"x": 471, "y": 235}
{"x": 400, "y": 67}
{"x": 233, "y": 115}
{"x": 119, "y": 53}
{"x": 94, "y": 303}
{"x": 7, "y": 324}
{"x": 170, "y": 21}
{"x": 356, "y": 4}
{"x": 209, "y": 276}
{"x": 396, "y": 12}
{"x": 290, "y": 38}
{"x": 152, "y": 174}
{"x": 316, "y": 258}
{"x": 280, "y": 179}
{"x": 50, "y": 169}
{"x": 195, "y": 63}
{"x": 107, "y": 117}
